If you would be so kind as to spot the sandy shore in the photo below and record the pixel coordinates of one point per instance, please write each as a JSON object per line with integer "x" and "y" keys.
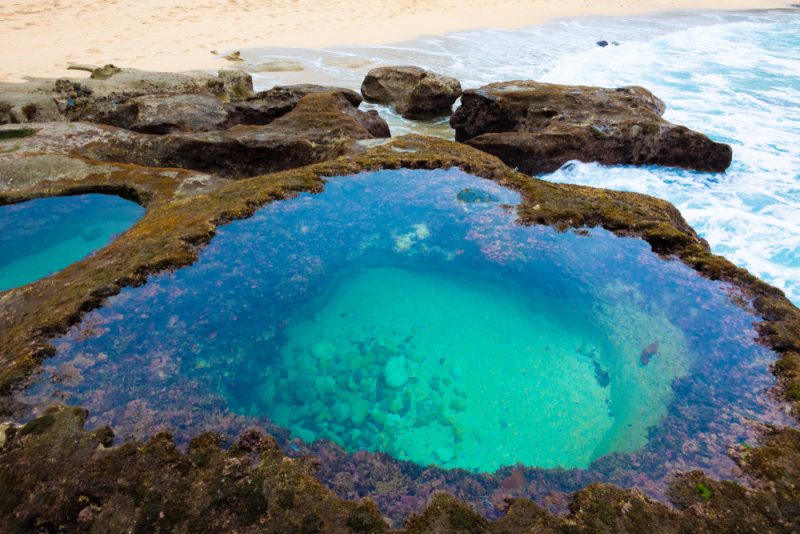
{"x": 40, "y": 38}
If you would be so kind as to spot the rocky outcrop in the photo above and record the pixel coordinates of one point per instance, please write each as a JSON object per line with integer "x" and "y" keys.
{"x": 156, "y": 114}
{"x": 414, "y": 92}
{"x": 266, "y": 106}
{"x": 321, "y": 126}
{"x": 99, "y": 97}
{"x": 537, "y": 127}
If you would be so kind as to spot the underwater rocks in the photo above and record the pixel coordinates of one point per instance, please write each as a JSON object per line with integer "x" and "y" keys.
{"x": 537, "y": 127}
{"x": 414, "y": 92}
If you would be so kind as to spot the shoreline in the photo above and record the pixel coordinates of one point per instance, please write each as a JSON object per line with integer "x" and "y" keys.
{"x": 181, "y": 36}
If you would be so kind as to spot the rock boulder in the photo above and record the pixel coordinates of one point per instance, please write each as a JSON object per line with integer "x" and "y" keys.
{"x": 538, "y": 127}
{"x": 414, "y": 92}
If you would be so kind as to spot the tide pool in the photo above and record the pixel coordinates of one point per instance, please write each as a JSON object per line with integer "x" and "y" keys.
{"x": 407, "y": 312}
{"x": 42, "y": 236}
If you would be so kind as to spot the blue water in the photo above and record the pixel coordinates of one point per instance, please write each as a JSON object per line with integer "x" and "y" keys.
{"x": 407, "y": 312}
{"x": 734, "y": 76}
{"x": 40, "y": 237}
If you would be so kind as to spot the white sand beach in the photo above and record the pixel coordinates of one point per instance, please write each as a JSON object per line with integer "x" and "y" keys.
{"x": 41, "y": 38}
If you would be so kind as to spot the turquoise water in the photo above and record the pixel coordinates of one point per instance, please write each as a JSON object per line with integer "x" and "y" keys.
{"x": 407, "y": 312}
{"x": 734, "y": 76}
{"x": 40, "y": 237}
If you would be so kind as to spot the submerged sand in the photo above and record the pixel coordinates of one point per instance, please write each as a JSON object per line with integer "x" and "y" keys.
{"x": 41, "y": 38}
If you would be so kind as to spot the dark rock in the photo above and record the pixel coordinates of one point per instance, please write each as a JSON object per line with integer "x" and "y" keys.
{"x": 266, "y": 106}
{"x": 602, "y": 44}
{"x": 321, "y": 126}
{"x": 414, "y": 92}
{"x": 538, "y": 127}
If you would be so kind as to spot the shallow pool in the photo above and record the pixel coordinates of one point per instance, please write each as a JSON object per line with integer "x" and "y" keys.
{"x": 407, "y": 312}
{"x": 42, "y": 236}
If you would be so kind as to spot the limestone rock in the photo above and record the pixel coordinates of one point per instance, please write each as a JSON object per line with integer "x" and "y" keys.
{"x": 538, "y": 127}
{"x": 414, "y": 92}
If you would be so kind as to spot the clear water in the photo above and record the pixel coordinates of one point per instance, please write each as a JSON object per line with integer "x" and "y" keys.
{"x": 734, "y": 76}
{"x": 42, "y": 236}
{"x": 407, "y": 312}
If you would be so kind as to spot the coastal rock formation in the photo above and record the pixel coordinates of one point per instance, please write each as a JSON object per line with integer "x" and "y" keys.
{"x": 266, "y": 106}
{"x": 537, "y": 127}
{"x": 414, "y": 92}
{"x": 320, "y": 127}
{"x": 57, "y": 475}
{"x": 156, "y": 114}
{"x": 53, "y": 100}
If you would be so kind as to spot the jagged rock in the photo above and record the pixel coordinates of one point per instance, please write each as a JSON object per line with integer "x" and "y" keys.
{"x": 414, "y": 92}
{"x": 320, "y": 127}
{"x": 266, "y": 106}
{"x": 537, "y": 127}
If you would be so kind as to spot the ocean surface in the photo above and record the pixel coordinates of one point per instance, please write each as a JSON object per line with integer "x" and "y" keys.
{"x": 733, "y": 76}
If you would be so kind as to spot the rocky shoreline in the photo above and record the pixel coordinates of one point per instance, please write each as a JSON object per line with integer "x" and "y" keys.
{"x": 198, "y": 151}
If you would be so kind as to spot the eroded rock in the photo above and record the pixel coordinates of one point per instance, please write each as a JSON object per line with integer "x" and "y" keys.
{"x": 266, "y": 106}
{"x": 321, "y": 126}
{"x": 537, "y": 127}
{"x": 414, "y": 92}
{"x": 52, "y": 100}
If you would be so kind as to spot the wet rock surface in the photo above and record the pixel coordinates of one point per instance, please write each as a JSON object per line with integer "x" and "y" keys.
{"x": 415, "y": 93}
{"x": 537, "y": 127}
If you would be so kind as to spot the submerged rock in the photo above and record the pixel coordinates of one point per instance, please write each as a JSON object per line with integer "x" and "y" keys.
{"x": 537, "y": 127}
{"x": 476, "y": 196}
{"x": 415, "y": 93}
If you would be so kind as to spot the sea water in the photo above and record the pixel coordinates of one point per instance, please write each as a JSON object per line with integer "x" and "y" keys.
{"x": 408, "y": 312}
{"x": 733, "y": 76}
{"x": 42, "y": 236}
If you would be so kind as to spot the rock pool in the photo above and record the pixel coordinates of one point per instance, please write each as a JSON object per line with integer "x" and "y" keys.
{"x": 407, "y": 312}
{"x": 42, "y": 236}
